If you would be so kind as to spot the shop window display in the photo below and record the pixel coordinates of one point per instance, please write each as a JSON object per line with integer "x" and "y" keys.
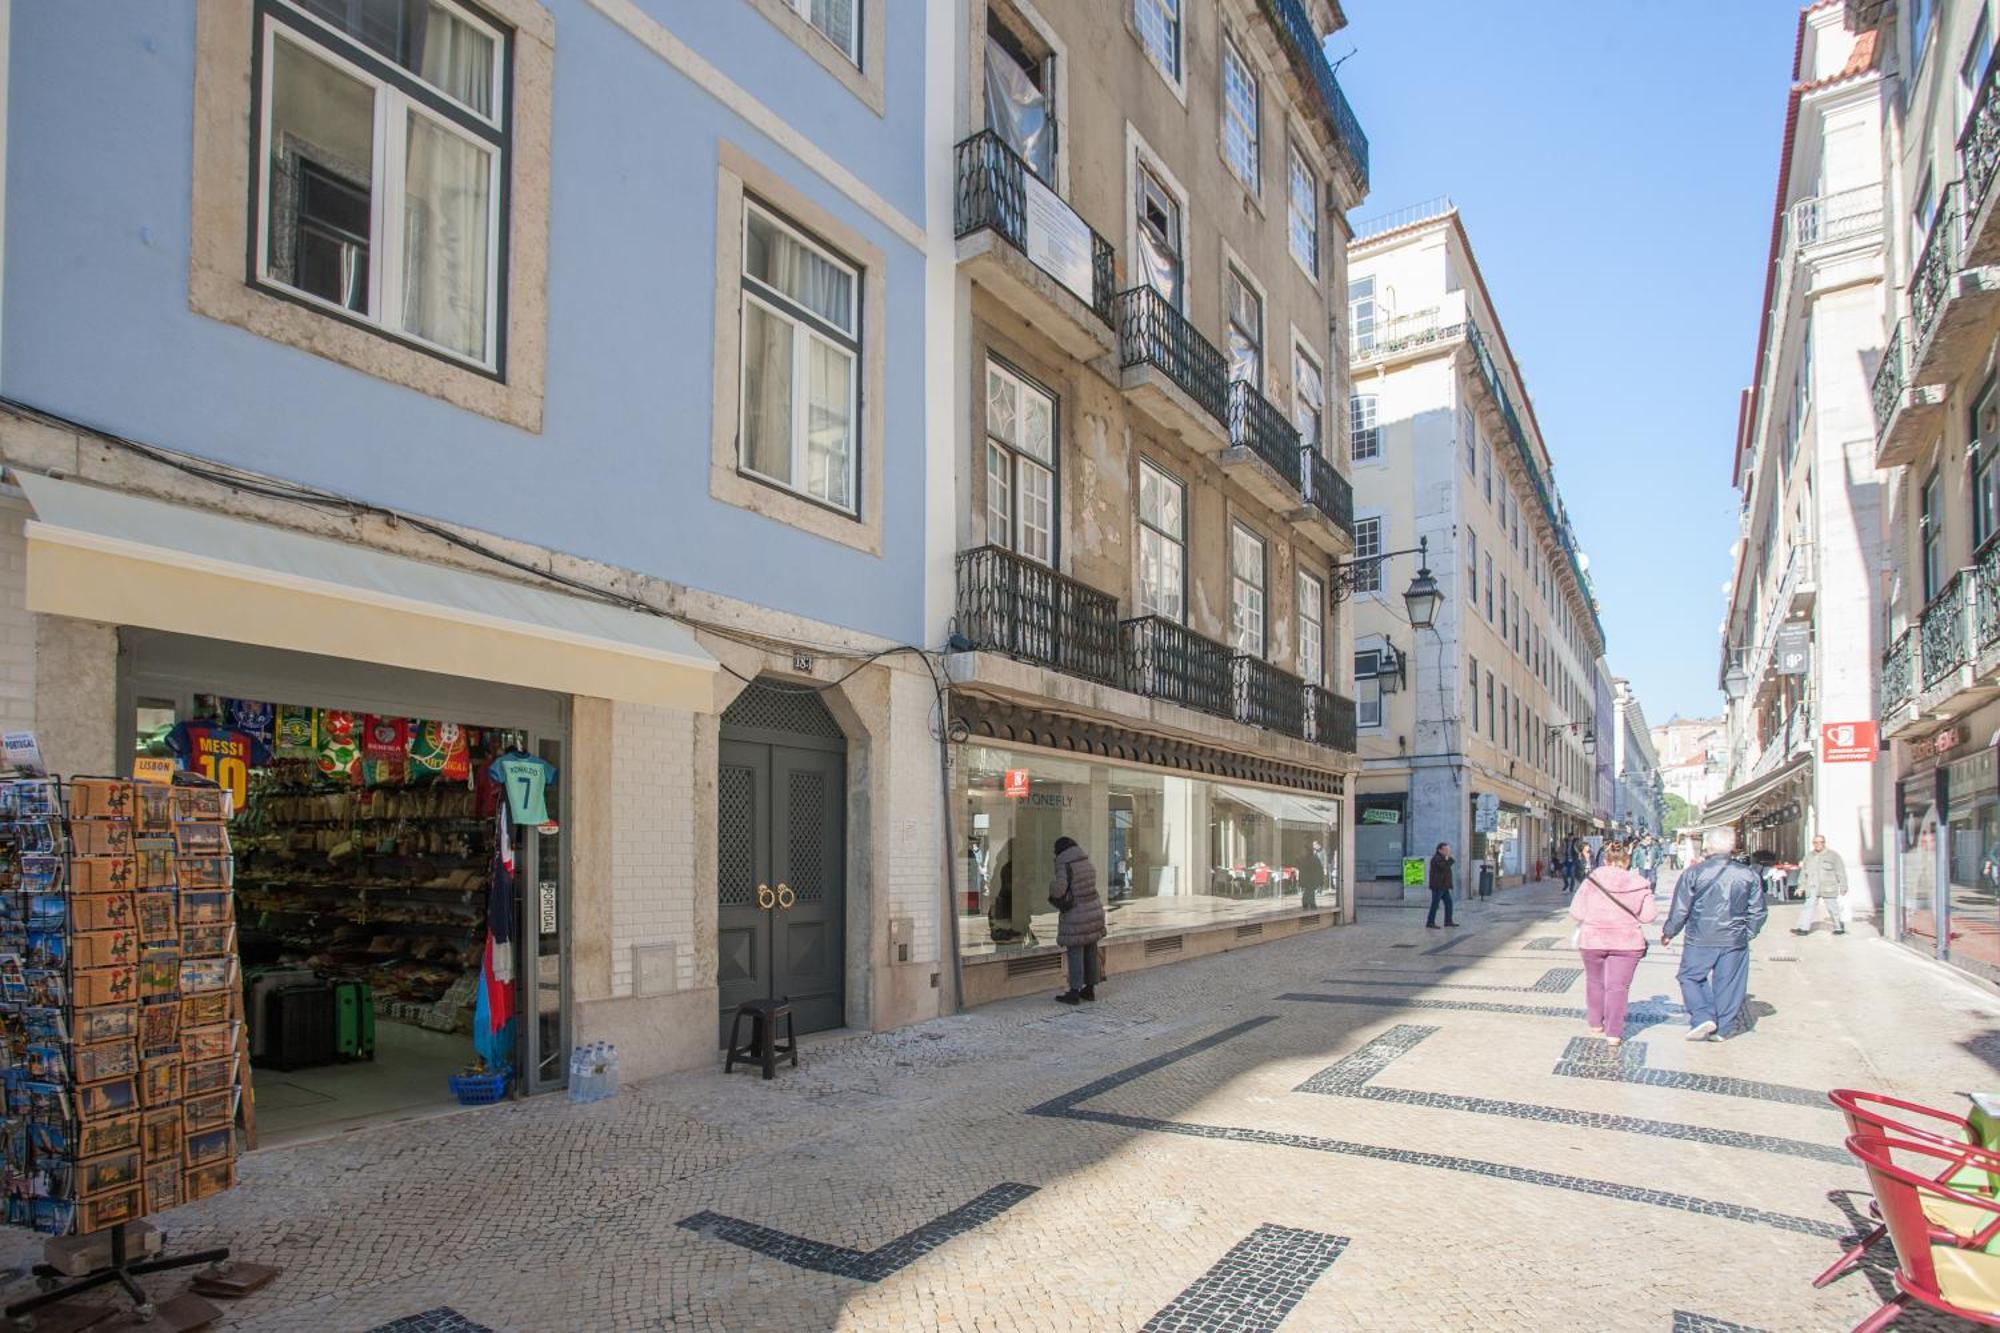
{"x": 1173, "y": 851}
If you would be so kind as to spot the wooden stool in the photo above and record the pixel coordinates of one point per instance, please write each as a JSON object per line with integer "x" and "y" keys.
{"x": 764, "y": 1047}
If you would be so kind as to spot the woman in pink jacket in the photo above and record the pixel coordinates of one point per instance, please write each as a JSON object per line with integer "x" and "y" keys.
{"x": 1611, "y": 905}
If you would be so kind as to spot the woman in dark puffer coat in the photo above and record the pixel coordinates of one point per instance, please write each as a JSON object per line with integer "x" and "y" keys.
{"x": 1073, "y": 892}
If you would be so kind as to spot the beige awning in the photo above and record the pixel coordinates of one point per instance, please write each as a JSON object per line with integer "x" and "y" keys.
{"x": 123, "y": 559}
{"x": 1726, "y": 808}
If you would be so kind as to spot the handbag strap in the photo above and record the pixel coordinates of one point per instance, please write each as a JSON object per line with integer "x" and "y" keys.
{"x": 1591, "y": 879}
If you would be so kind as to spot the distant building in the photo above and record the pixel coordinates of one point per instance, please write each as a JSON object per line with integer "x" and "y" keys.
{"x": 1638, "y": 800}
{"x": 1693, "y": 759}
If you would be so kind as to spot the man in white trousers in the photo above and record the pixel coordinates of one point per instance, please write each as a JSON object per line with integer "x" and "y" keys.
{"x": 1823, "y": 880}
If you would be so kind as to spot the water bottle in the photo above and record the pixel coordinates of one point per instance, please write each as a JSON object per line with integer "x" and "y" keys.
{"x": 580, "y": 1079}
{"x": 610, "y": 1068}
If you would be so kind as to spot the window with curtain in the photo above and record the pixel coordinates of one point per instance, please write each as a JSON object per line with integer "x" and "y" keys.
{"x": 1492, "y": 713}
{"x": 1246, "y": 331}
{"x": 1468, "y": 434}
{"x": 1930, "y": 527}
{"x": 1302, "y": 210}
{"x": 1972, "y": 69}
{"x": 839, "y": 21}
{"x": 1308, "y": 400}
{"x": 1486, "y": 462}
{"x": 1162, "y": 545}
{"x": 1472, "y": 565}
{"x": 1159, "y": 237}
{"x": 1367, "y": 565}
{"x": 382, "y": 143}
{"x": 1364, "y": 437}
{"x": 1246, "y": 590}
{"x": 1159, "y": 25}
{"x": 801, "y": 355}
{"x": 1489, "y": 587}
{"x": 1239, "y": 116}
{"x": 1312, "y": 629}
{"x": 1986, "y": 465}
{"x": 1020, "y": 465}
{"x": 1017, "y": 99}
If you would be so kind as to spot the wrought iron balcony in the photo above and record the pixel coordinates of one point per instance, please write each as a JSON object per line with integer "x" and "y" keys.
{"x": 1330, "y": 719}
{"x": 1012, "y": 605}
{"x": 992, "y": 193}
{"x": 1152, "y": 333}
{"x": 1267, "y": 697}
{"x": 1891, "y": 377}
{"x": 1327, "y": 490}
{"x": 1303, "y": 45}
{"x": 1938, "y": 264}
{"x": 1979, "y": 141}
{"x": 1945, "y": 646}
{"x": 1986, "y": 605}
{"x": 1167, "y": 660}
{"x": 1899, "y": 684}
{"x": 1256, "y": 425}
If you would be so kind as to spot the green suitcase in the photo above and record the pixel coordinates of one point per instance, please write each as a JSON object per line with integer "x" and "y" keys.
{"x": 353, "y": 1020}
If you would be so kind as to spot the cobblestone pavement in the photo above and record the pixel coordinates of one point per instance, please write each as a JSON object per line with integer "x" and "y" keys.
{"x": 1374, "y": 1127}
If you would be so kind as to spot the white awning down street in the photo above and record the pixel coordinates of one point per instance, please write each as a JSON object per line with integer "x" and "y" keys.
{"x": 1725, "y": 808}
{"x": 123, "y": 559}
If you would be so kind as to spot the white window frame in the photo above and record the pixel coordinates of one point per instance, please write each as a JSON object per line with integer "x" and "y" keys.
{"x": 1368, "y": 547}
{"x": 1296, "y": 165}
{"x": 1970, "y": 69}
{"x": 1175, "y": 540}
{"x": 1234, "y": 127}
{"x": 1141, "y": 162}
{"x": 393, "y": 106}
{"x": 803, "y": 8}
{"x": 1368, "y": 682}
{"x": 1302, "y": 356}
{"x": 1362, "y": 332}
{"x": 1249, "y": 600}
{"x": 1173, "y": 13}
{"x": 804, "y": 332}
{"x": 1019, "y": 461}
{"x": 1312, "y": 628}
{"x": 1364, "y": 430}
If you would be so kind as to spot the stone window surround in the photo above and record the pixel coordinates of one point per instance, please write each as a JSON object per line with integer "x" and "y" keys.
{"x": 738, "y": 175}
{"x": 220, "y": 284}
{"x": 1177, "y": 84}
{"x": 1261, "y": 81}
{"x": 865, "y": 81}
{"x": 990, "y": 343}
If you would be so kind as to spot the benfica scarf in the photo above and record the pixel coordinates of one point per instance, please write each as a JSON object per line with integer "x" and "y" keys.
{"x": 493, "y": 1011}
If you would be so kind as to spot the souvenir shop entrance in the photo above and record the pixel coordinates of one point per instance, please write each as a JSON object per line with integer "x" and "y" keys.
{"x": 372, "y": 807}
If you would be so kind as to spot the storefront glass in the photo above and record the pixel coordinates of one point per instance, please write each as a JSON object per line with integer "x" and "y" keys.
{"x": 1919, "y": 906}
{"x": 1171, "y": 851}
{"x": 1972, "y": 914}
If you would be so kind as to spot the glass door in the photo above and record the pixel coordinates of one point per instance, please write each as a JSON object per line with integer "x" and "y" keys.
{"x": 544, "y": 922}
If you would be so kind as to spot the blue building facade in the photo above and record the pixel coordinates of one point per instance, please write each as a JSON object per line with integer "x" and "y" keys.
{"x": 555, "y": 370}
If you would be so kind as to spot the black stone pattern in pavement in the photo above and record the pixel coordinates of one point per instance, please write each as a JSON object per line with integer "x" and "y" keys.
{"x": 1069, "y": 1107}
{"x": 1353, "y": 1076}
{"x": 1584, "y": 1058}
{"x": 1253, "y": 1287}
{"x": 1643, "y": 1015}
{"x": 1687, "y": 1321}
{"x": 1552, "y": 982}
{"x": 444, "y": 1319}
{"x": 1544, "y": 942}
{"x": 861, "y": 1265}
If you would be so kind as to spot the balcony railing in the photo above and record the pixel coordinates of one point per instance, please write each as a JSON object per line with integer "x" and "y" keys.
{"x": 1256, "y": 425}
{"x": 1835, "y": 217}
{"x": 1942, "y": 628}
{"x": 1979, "y": 141}
{"x": 1012, "y": 605}
{"x": 1403, "y": 332}
{"x": 1937, "y": 266}
{"x": 1152, "y": 333}
{"x": 1326, "y": 489}
{"x": 1303, "y": 46}
{"x": 1267, "y": 697}
{"x": 992, "y": 193}
{"x": 1165, "y": 660}
{"x": 1986, "y": 605}
{"x": 1330, "y": 719}
{"x": 1891, "y": 377}
{"x": 1899, "y": 673}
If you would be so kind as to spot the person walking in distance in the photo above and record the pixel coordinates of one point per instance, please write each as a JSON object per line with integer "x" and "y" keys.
{"x": 1570, "y": 867}
{"x": 1440, "y": 881}
{"x": 1719, "y": 903}
{"x": 1073, "y": 892}
{"x": 1823, "y": 881}
{"x": 1611, "y": 910}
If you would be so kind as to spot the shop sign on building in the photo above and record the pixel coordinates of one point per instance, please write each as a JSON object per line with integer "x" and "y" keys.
{"x": 1793, "y": 655}
{"x": 1016, "y": 783}
{"x": 1938, "y": 744}
{"x": 1057, "y": 239}
{"x": 1377, "y": 815}
{"x": 1413, "y": 871}
{"x": 1847, "y": 742}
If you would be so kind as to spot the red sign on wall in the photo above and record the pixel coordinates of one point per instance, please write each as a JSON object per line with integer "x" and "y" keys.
{"x": 1016, "y": 783}
{"x": 1847, "y": 742}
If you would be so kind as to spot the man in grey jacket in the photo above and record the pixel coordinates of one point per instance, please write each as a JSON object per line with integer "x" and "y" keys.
{"x": 1823, "y": 880}
{"x": 1719, "y": 902}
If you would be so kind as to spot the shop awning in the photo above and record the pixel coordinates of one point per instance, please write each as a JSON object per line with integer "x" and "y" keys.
{"x": 124, "y": 559}
{"x": 1726, "y": 808}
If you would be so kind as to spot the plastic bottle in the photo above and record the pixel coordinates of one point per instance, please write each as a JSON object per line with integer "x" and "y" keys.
{"x": 610, "y": 1068}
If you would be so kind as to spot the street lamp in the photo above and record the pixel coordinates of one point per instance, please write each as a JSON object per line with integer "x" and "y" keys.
{"x": 1589, "y": 743}
{"x": 1736, "y": 680}
{"x": 1423, "y": 596}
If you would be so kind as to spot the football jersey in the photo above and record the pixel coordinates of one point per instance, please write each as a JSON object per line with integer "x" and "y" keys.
{"x": 526, "y": 780}
{"x": 224, "y": 755}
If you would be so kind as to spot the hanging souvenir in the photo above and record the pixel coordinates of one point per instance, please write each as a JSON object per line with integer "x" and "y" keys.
{"x": 440, "y": 747}
{"x": 385, "y": 738}
{"x": 296, "y": 735}
{"x": 339, "y": 744}
{"x": 248, "y": 715}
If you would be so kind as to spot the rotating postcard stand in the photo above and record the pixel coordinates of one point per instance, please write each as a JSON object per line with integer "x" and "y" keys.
{"x": 121, "y": 1015}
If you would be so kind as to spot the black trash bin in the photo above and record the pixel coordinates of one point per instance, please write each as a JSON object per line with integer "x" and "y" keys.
{"x": 1486, "y": 879}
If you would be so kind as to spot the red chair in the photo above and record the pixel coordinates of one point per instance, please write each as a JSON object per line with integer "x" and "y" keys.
{"x": 1940, "y": 1233}
{"x": 1866, "y": 1114}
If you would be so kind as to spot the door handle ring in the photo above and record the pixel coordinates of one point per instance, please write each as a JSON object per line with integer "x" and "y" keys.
{"x": 765, "y": 898}
{"x": 785, "y": 896}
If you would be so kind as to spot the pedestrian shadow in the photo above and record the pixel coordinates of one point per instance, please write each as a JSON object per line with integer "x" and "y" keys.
{"x": 1753, "y": 1010}
{"x": 1986, "y": 1046}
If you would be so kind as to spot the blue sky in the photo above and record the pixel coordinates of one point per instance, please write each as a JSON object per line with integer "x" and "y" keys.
{"x": 1615, "y": 163}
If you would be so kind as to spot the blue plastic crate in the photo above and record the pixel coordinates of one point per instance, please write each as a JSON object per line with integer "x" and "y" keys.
{"x": 478, "y": 1089}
